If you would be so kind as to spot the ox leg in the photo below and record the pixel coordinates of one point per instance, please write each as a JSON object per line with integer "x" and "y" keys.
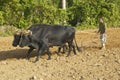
{"x": 64, "y": 48}
{"x": 70, "y": 47}
{"x": 48, "y": 53}
{"x": 40, "y": 51}
{"x": 28, "y": 53}
{"x": 73, "y": 46}
{"x": 59, "y": 49}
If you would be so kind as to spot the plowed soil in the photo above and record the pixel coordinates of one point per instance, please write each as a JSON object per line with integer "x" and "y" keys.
{"x": 91, "y": 63}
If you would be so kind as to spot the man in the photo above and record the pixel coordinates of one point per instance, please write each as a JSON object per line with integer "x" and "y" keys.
{"x": 102, "y": 31}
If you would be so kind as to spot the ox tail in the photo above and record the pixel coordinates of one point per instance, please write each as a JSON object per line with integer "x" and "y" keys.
{"x": 78, "y": 48}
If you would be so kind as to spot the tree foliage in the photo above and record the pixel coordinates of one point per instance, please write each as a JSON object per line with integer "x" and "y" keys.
{"x": 79, "y": 13}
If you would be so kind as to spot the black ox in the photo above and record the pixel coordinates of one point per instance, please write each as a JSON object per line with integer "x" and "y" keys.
{"x": 33, "y": 28}
{"x": 45, "y": 36}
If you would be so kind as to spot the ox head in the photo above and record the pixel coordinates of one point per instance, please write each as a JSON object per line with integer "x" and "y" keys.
{"x": 17, "y": 36}
{"x": 25, "y": 38}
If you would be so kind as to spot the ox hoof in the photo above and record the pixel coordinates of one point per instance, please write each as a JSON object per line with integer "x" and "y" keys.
{"x": 36, "y": 60}
{"x": 49, "y": 59}
{"x": 58, "y": 54}
{"x": 27, "y": 58}
{"x": 63, "y": 52}
{"x": 67, "y": 56}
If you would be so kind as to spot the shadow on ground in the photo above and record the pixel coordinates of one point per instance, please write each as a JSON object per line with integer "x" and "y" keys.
{"x": 17, "y": 53}
{"x": 21, "y": 53}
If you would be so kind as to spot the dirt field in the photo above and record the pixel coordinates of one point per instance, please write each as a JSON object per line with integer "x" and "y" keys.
{"x": 90, "y": 64}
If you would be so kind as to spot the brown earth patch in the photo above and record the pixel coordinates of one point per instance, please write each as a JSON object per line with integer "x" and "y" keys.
{"x": 90, "y": 64}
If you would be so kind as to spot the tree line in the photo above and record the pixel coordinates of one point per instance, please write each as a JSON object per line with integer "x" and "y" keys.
{"x": 78, "y": 13}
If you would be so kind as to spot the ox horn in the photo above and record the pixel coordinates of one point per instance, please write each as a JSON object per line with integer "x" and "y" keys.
{"x": 28, "y": 32}
{"x": 18, "y": 31}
